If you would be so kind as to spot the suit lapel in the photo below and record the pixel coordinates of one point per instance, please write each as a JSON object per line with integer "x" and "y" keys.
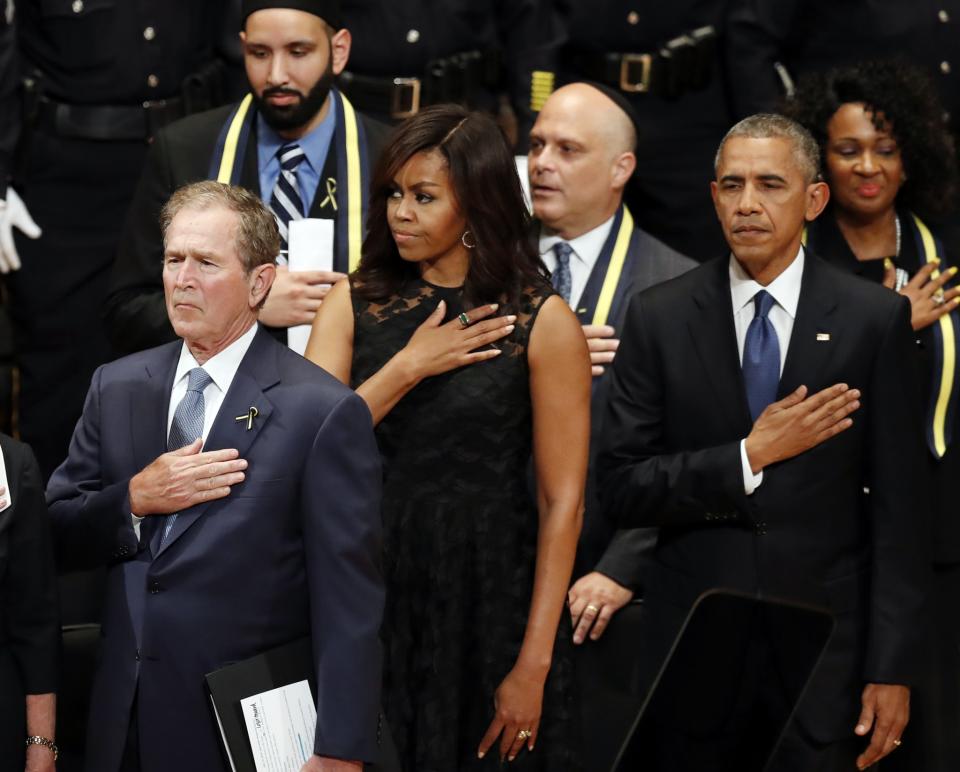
{"x": 811, "y": 342}
{"x": 625, "y": 285}
{"x": 715, "y": 340}
{"x": 149, "y": 406}
{"x": 257, "y": 373}
{"x": 322, "y": 206}
{"x": 250, "y": 165}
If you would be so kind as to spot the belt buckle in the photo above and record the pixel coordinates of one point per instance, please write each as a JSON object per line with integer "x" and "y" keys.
{"x": 627, "y": 63}
{"x": 398, "y": 105}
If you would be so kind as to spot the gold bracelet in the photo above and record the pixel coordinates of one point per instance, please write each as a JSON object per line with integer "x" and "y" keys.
{"x": 46, "y": 743}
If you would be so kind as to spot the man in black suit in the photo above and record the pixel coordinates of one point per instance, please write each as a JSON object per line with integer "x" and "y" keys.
{"x": 577, "y": 198}
{"x": 795, "y": 474}
{"x": 295, "y": 124}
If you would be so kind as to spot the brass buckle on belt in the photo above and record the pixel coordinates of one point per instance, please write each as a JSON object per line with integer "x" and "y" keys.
{"x": 401, "y": 107}
{"x": 627, "y": 64}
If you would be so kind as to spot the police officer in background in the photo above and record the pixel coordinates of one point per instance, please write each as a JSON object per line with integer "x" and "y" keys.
{"x": 412, "y": 54}
{"x": 664, "y": 58}
{"x": 83, "y": 86}
{"x": 771, "y": 44}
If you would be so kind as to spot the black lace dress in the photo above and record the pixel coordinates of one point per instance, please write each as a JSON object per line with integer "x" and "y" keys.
{"x": 460, "y": 530}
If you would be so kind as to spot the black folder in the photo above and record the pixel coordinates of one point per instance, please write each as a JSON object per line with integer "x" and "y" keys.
{"x": 287, "y": 664}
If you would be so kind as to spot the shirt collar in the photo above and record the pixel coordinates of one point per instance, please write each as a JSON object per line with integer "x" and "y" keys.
{"x": 785, "y": 289}
{"x": 221, "y": 367}
{"x": 587, "y": 247}
{"x": 315, "y": 144}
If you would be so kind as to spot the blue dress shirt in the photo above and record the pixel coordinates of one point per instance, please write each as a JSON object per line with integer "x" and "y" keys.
{"x": 315, "y": 145}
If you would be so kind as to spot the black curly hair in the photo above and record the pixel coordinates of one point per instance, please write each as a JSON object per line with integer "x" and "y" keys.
{"x": 909, "y": 103}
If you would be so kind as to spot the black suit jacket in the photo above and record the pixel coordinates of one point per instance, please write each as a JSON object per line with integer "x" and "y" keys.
{"x": 135, "y": 314}
{"x": 618, "y": 553}
{"x": 29, "y": 625}
{"x": 824, "y": 235}
{"x": 839, "y": 525}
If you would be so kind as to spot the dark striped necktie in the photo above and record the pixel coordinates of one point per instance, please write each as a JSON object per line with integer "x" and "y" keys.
{"x": 285, "y": 202}
{"x": 562, "y": 279}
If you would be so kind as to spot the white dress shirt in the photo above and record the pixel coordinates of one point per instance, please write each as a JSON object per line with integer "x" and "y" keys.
{"x": 222, "y": 367}
{"x": 785, "y": 290}
{"x": 586, "y": 251}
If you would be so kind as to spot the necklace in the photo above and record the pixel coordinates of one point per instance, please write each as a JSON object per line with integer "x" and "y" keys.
{"x": 902, "y": 277}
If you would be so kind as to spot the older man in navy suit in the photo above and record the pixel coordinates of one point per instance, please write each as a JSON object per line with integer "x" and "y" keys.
{"x": 232, "y": 488}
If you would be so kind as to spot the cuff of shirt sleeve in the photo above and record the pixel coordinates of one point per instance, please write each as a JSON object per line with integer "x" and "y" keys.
{"x": 751, "y": 481}
{"x": 135, "y": 521}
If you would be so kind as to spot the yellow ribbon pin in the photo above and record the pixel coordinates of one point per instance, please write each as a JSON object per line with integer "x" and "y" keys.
{"x": 331, "y": 194}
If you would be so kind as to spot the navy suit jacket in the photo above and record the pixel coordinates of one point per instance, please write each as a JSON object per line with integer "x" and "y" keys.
{"x": 293, "y": 550}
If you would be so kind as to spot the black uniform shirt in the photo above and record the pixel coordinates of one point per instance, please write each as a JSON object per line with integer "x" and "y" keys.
{"x": 398, "y": 39}
{"x": 816, "y": 35}
{"x": 102, "y": 52}
{"x": 596, "y": 27}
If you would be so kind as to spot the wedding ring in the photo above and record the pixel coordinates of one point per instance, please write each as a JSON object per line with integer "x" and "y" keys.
{"x": 464, "y": 319}
{"x": 938, "y": 297}
{"x": 591, "y": 606}
{"x": 897, "y": 743}
{"x": 523, "y": 734}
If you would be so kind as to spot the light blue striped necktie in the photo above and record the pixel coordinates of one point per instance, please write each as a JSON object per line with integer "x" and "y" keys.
{"x": 187, "y": 423}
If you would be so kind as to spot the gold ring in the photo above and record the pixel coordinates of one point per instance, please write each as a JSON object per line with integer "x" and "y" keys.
{"x": 523, "y": 734}
{"x": 938, "y": 297}
{"x": 591, "y": 606}
{"x": 898, "y": 743}
{"x": 464, "y": 319}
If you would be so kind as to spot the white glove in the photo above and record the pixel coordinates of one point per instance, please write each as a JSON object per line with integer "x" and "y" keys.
{"x": 14, "y": 214}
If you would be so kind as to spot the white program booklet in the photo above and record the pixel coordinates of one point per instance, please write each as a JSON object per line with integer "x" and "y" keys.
{"x": 281, "y": 724}
{"x": 521, "y": 161}
{"x": 310, "y": 249}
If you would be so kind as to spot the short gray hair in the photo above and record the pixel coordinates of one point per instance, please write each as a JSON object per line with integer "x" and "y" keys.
{"x": 806, "y": 152}
{"x": 257, "y": 237}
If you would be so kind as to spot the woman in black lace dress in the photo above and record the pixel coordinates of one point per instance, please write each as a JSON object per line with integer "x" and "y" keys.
{"x": 477, "y": 569}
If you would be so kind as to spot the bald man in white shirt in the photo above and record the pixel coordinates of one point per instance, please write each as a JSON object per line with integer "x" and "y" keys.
{"x": 580, "y": 161}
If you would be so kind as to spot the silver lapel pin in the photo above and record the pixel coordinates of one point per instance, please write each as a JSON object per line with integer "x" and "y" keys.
{"x": 823, "y": 336}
